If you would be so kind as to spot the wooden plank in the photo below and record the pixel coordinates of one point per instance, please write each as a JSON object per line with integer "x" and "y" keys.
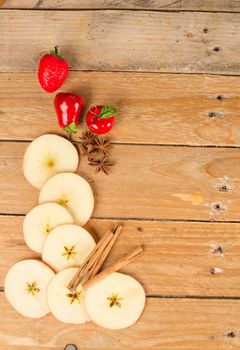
{"x": 164, "y": 183}
{"x": 124, "y": 41}
{"x": 178, "y": 257}
{"x": 166, "y": 5}
{"x": 165, "y": 324}
{"x": 153, "y": 108}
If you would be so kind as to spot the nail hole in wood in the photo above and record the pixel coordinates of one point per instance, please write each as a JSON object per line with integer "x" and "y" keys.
{"x": 216, "y": 206}
{"x": 216, "y": 49}
{"x": 140, "y": 229}
{"x": 220, "y": 97}
{"x": 205, "y": 30}
{"x": 218, "y": 250}
{"x": 231, "y": 334}
{"x": 223, "y": 188}
{"x": 223, "y": 185}
{"x": 211, "y": 114}
{"x": 217, "y": 114}
{"x": 215, "y": 270}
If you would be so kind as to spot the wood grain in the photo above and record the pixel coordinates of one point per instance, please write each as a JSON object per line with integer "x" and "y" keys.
{"x": 177, "y": 260}
{"x": 153, "y": 108}
{"x": 124, "y": 41}
{"x": 149, "y": 183}
{"x": 164, "y": 183}
{"x": 166, "y": 5}
{"x": 165, "y": 324}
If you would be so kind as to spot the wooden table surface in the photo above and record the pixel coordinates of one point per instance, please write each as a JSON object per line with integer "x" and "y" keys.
{"x": 172, "y": 69}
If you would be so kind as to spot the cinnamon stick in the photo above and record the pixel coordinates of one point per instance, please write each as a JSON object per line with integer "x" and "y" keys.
{"x": 97, "y": 257}
{"x": 89, "y": 261}
{"x": 115, "y": 267}
{"x": 116, "y": 232}
{"x": 96, "y": 254}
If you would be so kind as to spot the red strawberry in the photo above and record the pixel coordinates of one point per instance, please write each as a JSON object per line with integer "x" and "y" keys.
{"x": 52, "y": 71}
{"x": 68, "y": 108}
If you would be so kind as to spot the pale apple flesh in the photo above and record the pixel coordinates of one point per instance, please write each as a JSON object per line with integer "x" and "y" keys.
{"x": 115, "y": 302}
{"x": 66, "y": 306}
{"x": 46, "y": 156}
{"x": 67, "y": 246}
{"x": 40, "y": 221}
{"x": 72, "y": 192}
{"x": 25, "y": 287}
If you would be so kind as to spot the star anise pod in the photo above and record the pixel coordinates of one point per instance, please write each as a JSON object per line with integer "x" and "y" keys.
{"x": 102, "y": 145}
{"x": 87, "y": 137}
{"x": 88, "y": 151}
{"x": 101, "y": 165}
{"x": 84, "y": 150}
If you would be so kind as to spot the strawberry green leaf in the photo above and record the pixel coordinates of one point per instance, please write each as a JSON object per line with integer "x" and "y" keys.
{"x": 108, "y": 112}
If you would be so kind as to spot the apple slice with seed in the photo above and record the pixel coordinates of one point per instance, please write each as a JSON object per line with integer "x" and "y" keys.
{"x": 66, "y": 306}
{"x": 115, "y": 302}
{"x": 25, "y": 287}
{"x": 72, "y": 192}
{"x": 67, "y": 246}
{"x": 40, "y": 221}
{"x": 46, "y": 156}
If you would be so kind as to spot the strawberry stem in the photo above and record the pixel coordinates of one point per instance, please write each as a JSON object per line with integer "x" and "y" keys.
{"x": 55, "y": 52}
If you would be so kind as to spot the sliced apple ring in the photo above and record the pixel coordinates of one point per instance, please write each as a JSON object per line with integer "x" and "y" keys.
{"x": 67, "y": 246}
{"x": 46, "y": 156}
{"x": 66, "y": 306}
{"x": 40, "y": 221}
{"x": 72, "y": 192}
{"x": 115, "y": 302}
{"x": 25, "y": 287}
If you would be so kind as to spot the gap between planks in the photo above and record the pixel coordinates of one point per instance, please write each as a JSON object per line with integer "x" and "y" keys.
{"x": 169, "y": 296}
{"x": 131, "y": 71}
{"x": 136, "y": 144}
{"x": 155, "y": 5}
{"x": 161, "y": 9}
{"x": 144, "y": 219}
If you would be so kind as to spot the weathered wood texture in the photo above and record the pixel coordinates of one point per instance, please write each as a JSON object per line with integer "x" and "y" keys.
{"x": 178, "y": 257}
{"x": 164, "y": 183}
{"x": 153, "y": 108}
{"x": 173, "y": 42}
{"x": 166, "y": 5}
{"x": 165, "y": 324}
